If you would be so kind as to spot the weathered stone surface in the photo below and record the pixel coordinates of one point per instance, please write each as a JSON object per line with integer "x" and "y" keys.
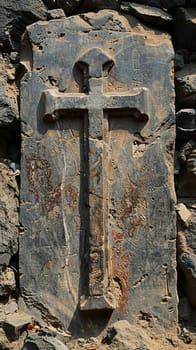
{"x": 7, "y": 111}
{"x": 121, "y": 335}
{"x": 14, "y": 16}
{"x": 187, "y": 169}
{"x": 7, "y": 281}
{"x": 8, "y": 94}
{"x": 42, "y": 342}
{"x": 146, "y": 13}
{"x": 55, "y": 13}
{"x": 186, "y": 86}
{"x": 187, "y": 262}
{"x": 15, "y": 324}
{"x": 183, "y": 212}
{"x": 68, "y": 5}
{"x": 186, "y": 121}
{"x": 186, "y": 244}
{"x": 97, "y": 170}
{"x": 9, "y": 206}
{"x": 9, "y": 216}
{"x": 11, "y": 307}
{"x": 161, "y": 3}
{"x": 185, "y": 28}
{"x": 4, "y": 343}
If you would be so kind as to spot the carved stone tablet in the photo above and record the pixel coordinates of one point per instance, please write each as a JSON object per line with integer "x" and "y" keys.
{"x": 97, "y": 198}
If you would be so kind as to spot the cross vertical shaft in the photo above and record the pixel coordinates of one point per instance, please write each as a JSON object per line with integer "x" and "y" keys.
{"x": 97, "y": 260}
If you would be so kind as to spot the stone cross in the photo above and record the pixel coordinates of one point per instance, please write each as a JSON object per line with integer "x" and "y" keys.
{"x": 96, "y": 101}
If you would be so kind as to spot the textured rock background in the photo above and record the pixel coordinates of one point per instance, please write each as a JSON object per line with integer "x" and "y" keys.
{"x": 14, "y": 16}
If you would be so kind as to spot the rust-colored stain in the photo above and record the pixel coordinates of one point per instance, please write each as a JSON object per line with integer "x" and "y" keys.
{"x": 120, "y": 269}
{"x": 38, "y": 170}
{"x": 133, "y": 207}
{"x": 94, "y": 173}
{"x": 70, "y": 193}
{"x": 38, "y": 173}
{"x": 50, "y": 262}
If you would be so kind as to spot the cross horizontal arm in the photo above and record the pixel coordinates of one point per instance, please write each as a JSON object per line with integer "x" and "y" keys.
{"x": 54, "y": 101}
{"x": 138, "y": 101}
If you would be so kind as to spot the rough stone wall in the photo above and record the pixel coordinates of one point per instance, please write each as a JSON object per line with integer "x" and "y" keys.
{"x": 177, "y": 17}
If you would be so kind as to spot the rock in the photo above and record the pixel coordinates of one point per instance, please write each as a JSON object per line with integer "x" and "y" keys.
{"x": 14, "y": 16}
{"x": 8, "y": 94}
{"x": 186, "y": 248}
{"x": 149, "y": 14}
{"x": 50, "y": 4}
{"x": 58, "y": 333}
{"x": 8, "y": 113}
{"x": 68, "y": 5}
{"x": 187, "y": 172}
{"x": 178, "y": 61}
{"x": 11, "y": 307}
{"x": 165, "y": 4}
{"x": 7, "y": 281}
{"x": 55, "y": 13}
{"x": 183, "y": 212}
{"x": 4, "y": 342}
{"x": 93, "y": 340}
{"x": 185, "y": 54}
{"x": 81, "y": 341}
{"x": 43, "y": 342}
{"x": 122, "y": 335}
{"x": 15, "y": 324}
{"x": 186, "y": 336}
{"x": 186, "y": 121}
{"x": 185, "y": 28}
{"x": 187, "y": 262}
{"x": 14, "y": 56}
{"x": 9, "y": 216}
{"x": 185, "y": 81}
{"x": 191, "y": 229}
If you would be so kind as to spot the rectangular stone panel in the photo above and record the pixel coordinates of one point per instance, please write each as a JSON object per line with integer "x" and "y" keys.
{"x": 97, "y": 193}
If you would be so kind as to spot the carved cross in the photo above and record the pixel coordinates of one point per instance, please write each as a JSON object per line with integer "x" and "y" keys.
{"x": 95, "y": 102}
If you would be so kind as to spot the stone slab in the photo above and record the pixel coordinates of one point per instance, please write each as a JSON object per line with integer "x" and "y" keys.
{"x": 65, "y": 249}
